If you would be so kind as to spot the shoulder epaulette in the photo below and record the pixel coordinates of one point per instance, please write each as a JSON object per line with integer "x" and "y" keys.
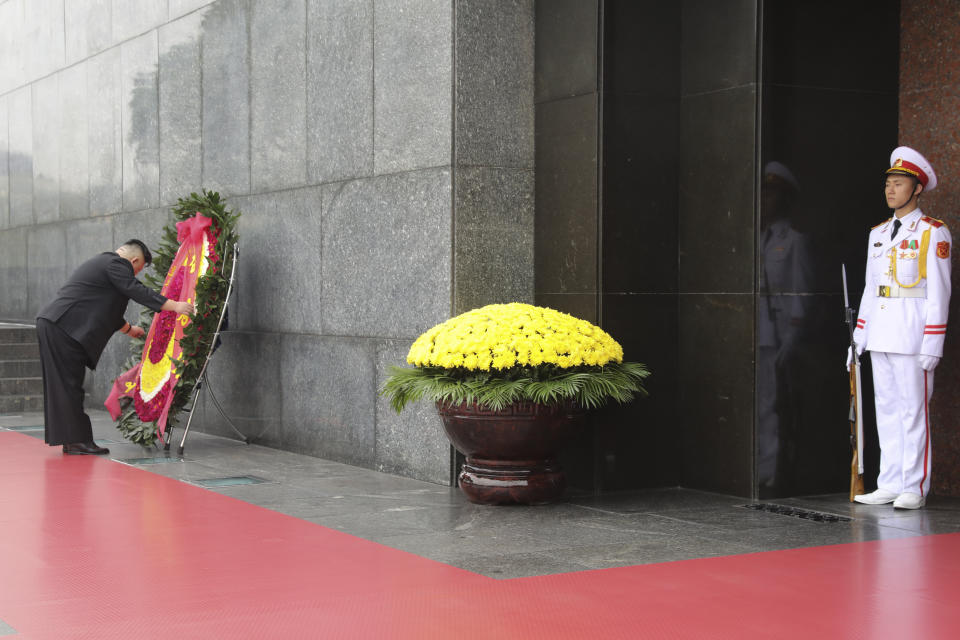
{"x": 933, "y": 222}
{"x": 879, "y": 225}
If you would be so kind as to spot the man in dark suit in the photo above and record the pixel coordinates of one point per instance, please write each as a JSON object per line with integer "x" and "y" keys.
{"x": 74, "y": 329}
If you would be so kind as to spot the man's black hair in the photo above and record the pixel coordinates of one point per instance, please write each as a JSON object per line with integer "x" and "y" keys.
{"x": 147, "y": 258}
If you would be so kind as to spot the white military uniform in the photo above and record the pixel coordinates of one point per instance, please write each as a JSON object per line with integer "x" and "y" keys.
{"x": 903, "y": 314}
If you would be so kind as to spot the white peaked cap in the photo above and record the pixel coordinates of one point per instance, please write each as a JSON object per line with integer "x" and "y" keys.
{"x": 907, "y": 161}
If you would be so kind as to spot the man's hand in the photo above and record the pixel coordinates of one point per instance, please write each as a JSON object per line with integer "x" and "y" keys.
{"x": 185, "y": 308}
{"x": 136, "y": 332}
{"x": 928, "y": 363}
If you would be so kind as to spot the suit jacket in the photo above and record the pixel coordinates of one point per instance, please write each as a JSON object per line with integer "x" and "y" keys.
{"x": 90, "y": 306}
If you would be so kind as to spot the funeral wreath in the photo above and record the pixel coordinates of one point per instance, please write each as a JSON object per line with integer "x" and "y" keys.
{"x": 157, "y": 397}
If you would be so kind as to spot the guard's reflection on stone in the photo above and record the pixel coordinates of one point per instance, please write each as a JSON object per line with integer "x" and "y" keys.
{"x": 786, "y": 271}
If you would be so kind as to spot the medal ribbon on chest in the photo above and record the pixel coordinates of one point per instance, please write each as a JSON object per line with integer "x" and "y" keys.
{"x": 912, "y": 244}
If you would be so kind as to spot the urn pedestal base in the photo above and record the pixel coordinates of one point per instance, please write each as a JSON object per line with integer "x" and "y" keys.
{"x": 509, "y": 482}
{"x": 511, "y": 453}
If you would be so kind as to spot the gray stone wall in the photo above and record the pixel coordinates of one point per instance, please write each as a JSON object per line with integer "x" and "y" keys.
{"x": 381, "y": 152}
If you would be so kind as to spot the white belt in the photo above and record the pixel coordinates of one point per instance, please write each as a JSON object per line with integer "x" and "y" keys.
{"x": 896, "y": 291}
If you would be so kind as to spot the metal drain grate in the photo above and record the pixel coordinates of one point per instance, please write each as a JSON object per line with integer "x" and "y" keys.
{"x": 29, "y": 427}
{"x": 229, "y": 482}
{"x": 157, "y": 460}
{"x": 796, "y": 512}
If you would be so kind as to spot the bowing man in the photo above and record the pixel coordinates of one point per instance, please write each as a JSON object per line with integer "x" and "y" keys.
{"x": 74, "y": 328}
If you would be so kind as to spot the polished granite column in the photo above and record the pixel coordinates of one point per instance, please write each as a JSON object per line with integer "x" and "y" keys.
{"x": 632, "y": 166}
{"x": 654, "y": 125}
{"x": 638, "y": 444}
{"x": 717, "y": 209}
{"x": 567, "y": 217}
{"x": 834, "y": 105}
{"x": 567, "y": 130}
{"x": 493, "y": 148}
{"x": 929, "y": 108}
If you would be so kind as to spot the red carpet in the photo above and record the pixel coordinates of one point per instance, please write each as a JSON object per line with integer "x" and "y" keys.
{"x": 90, "y": 548}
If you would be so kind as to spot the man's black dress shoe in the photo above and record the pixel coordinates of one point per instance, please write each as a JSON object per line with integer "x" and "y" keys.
{"x": 85, "y": 448}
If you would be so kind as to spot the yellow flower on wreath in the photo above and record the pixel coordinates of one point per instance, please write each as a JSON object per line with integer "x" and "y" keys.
{"x": 153, "y": 376}
{"x": 503, "y": 336}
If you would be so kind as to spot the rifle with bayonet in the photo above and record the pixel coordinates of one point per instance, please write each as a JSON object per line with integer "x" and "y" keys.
{"x": 856, "y": 401}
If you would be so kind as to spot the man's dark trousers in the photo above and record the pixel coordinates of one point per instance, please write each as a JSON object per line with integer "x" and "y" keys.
{"x": 64, "y": 366}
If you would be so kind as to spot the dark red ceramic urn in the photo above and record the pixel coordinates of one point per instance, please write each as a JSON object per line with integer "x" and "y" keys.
{"x": 511, "y": 454}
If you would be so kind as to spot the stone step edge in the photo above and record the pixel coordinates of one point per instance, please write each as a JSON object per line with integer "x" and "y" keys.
{"x": 18, "y": 357}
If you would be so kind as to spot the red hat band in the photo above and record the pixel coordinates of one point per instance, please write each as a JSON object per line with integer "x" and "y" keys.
{"x": 903, "y": 166}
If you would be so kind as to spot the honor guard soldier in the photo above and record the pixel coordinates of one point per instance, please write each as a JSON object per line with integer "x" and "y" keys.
{"x": 902, "y": 321}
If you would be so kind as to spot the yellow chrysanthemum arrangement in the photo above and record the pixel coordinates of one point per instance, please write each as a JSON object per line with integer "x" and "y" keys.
{"x": 505, "y": 353}
{"x": 503, "y": 336}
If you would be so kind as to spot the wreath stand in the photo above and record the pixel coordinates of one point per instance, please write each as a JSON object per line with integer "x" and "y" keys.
{"x": 203, "y": 372}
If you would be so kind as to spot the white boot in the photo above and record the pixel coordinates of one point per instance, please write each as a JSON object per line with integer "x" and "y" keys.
{"x": 880, "y": 496}
{"x": 909, "y": 501}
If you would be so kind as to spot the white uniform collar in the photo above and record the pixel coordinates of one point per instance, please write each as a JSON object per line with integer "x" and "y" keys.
{"x": 908, "y": 221}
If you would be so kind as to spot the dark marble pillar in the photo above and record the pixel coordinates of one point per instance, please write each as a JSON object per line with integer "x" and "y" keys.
{"x": 567, "y": 148}
{"x": 654, "y": 123}
{"x": 638, "y": 444}
{"x": 643, "y": 108}
{"x": 567, "y": 129}
{"x": 606, "y": 226}
{"x": 716, "y": 243}
{"x": 828, "y": 124}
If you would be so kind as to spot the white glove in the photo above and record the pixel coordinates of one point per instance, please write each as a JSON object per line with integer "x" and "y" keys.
{"x": 928, "y": 363}
{"x": 850, "y": 355}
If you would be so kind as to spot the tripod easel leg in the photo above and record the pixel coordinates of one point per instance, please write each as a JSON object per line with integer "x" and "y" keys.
{"x": 193, "y": 410}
